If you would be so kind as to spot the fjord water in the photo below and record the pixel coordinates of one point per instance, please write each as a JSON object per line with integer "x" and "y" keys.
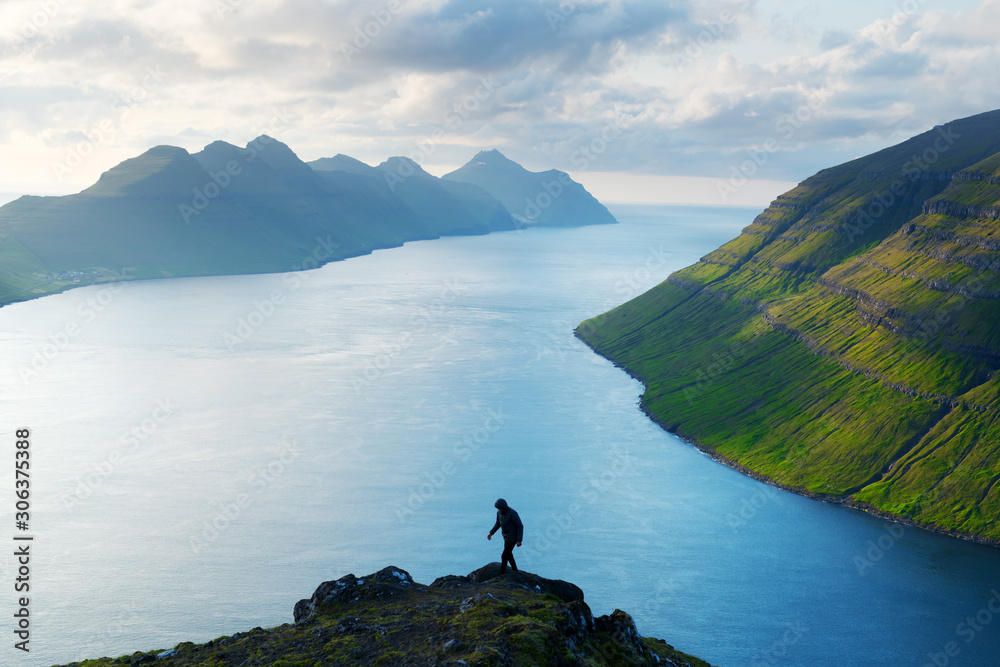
{"x": 206, "y": 451}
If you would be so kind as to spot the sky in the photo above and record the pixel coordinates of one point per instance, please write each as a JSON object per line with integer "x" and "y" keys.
{"x": 727, "y": 102}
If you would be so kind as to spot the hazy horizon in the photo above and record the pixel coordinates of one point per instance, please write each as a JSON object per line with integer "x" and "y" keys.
{"x": 629, "y": 97}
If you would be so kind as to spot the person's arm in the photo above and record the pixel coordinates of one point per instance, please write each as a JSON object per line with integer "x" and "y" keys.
{"x": 495, "y": 528}
{"x": 520, "y": 530}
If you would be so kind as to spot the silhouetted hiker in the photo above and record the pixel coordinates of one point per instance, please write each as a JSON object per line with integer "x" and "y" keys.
{"x": 512, "y": 529}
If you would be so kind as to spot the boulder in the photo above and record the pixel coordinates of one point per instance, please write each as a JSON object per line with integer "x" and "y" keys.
{"x": 622, "y": 629}
{"x": 387, "y": 581}
{"x": 563, "y": 590}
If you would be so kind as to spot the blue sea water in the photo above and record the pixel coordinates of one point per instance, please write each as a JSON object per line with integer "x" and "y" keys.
{"x": 206, "y": 451}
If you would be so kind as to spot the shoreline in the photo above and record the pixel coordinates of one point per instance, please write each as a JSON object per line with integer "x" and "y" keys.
{"x": 843, "y": 501}
{"x": 319, "y": 263}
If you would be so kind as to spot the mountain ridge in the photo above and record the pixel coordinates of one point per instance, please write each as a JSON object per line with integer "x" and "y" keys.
{"x": 229, "y": 210}
{"x": 845, "y": 344}
{"x": 549, "y": 198}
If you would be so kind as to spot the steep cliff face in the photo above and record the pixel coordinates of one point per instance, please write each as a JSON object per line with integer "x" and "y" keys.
{"x": 385, "y": 618}
{"x": 846, "y": 343}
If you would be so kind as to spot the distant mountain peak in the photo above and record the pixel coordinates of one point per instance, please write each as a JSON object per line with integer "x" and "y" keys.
{"x": 220, "y": 148}
{"x": 219, "y": 143}
{"x": 164, "y": 151}
{"x": 401, "y": 160}
{"x": 405, "y": 167}
{"x": 342, "y": 156}
{"x": 493, "y": 157}
{"x": 547, "y": 198}
{"x": 341, "y": 162}
{"x": 158, "y": 164}
{"x": 265, "y": 144}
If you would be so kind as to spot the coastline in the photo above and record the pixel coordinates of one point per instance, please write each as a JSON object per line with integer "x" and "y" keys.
{"x": 310, "y": 263}
{"x": 847, "y": 501}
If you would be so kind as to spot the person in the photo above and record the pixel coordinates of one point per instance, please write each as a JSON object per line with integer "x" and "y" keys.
{"x": 509, "y": 523}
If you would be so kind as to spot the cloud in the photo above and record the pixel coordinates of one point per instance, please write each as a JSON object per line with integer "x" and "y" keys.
{"x": 859, "y": 92}
{"x": 895, "y": 65}
{"x": 461, "y": 34}
{"x": 693, "y": 86}
{"x": 831, "y": 39}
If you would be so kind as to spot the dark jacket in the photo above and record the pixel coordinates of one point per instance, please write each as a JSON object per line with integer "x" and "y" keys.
{"x": 510, "y": 525}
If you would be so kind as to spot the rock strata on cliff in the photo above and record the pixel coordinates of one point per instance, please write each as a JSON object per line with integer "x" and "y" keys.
{"x": 863, "y": 306}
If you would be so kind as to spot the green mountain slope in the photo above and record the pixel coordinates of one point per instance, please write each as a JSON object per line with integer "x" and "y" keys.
{"x": 549, "y": 198}
{"x": 846, "y": 343}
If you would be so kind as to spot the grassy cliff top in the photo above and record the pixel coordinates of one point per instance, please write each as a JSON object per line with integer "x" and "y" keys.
{"x": 847, "y": 344}
{"x": 385, "y": 618}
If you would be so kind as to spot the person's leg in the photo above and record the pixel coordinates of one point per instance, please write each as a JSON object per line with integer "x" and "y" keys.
{"x": 508, "y": 555}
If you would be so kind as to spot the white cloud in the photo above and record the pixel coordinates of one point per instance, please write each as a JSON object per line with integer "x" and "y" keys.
{"x": 695, "y": 84}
